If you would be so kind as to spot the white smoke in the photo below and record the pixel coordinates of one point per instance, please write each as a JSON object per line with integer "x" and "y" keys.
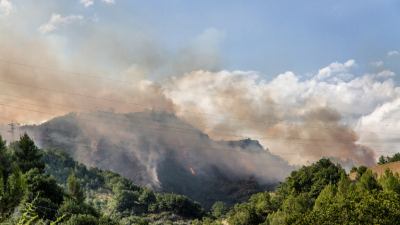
{"x": 300, "y": 119}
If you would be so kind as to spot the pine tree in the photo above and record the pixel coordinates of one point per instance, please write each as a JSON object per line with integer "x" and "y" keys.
{"x": 5, "y": 164}
{"x": 27, "y": 155}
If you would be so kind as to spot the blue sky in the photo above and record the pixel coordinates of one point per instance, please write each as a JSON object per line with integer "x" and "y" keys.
{"x": 275, "y": 36}
{"x": 266, "y": 36}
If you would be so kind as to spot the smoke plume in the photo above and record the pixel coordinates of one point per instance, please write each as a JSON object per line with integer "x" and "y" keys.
{"x": 298, "y": 118}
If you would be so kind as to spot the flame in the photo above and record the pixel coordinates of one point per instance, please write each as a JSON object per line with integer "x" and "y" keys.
{"x": 192, "y": 171}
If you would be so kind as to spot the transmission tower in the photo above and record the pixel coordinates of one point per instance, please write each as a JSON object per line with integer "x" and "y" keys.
{"x": 13, "y": 127}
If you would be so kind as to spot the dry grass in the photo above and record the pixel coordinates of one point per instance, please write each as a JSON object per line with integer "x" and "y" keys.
{"x": 379, "y": 170}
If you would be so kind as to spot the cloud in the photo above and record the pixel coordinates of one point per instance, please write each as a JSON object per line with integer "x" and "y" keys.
{"x": 298, "y": 119}
{"x": 393, "y": 53}
{"x": 88, "y": 3}
{"x": 57, "y": 20}
{"x": 379, "y": 63}
{"x": 386, "y": 74}
{"x": 379, "y": 129}
{"x": 6, "y": 7}
{"x": 336, "y": 69}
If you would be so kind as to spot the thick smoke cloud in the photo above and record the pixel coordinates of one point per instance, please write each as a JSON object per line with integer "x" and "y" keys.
{"x": 297, "y": 117}
{"x": 36, "y": 85}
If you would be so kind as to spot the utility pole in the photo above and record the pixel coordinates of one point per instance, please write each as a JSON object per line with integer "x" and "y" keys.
{"x": 13, "y": 126}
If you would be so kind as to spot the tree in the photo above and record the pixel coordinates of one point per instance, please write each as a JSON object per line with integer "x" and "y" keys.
{"x": 180, "y": 205}
{"x": 311, "y": 179}
{"x": 81, "y": 219}
{"x": 126, "y": 200}
{"x": 368, "y": 182}
{"x": 394, "y": 158}
{"x": 70, "y": 207}
{"x": 218, "y": 209}
{"x": 382, "y": 160}
{"x": 255, "y": 211}
{"x": 45, "y": 188}
{"x": 147, "y": 197}
{"x": 390, "y": 181}
{"x": 5, "y": 162}
{"x": 27, "y": 155}
{"x": 243, "y": 214}
{"x": 13, "y": 189}
{"x": 360, "y": 171}
{"x": 74, "y": 188}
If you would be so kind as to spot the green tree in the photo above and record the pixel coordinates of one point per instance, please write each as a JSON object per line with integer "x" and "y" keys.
{"x": 71, "y": 207}
{"x": 218, "y": 209}
{"x": 5, "y": 161}
{"x": 292, "y": 210}
{"x": 81, "y": 219}
{"x": 243, "y": 214}
{"x": 27, "y": 155}
{"x": 147, "y": 197}
{"x": 310, "y": 179}
{"x": 390, "y": 181}
{"x": 74, "y": 189}
{"x": 394, "y": 158}
{"x": 382, "y": 160}
{"x": 126, "y": 200}
{"x": 368, "y": 182}
{"x": 13, "y": 190}
{"x": 49, "y": 194}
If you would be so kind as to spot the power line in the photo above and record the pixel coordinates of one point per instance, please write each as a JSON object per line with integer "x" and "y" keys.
{"x": 33, "y": 67}
{"x": 65, "y": 107}
{"x": 78, "y": 74}
{"x": 136, "y": 104}
{"x": 176, "y": 129}
{"x": 325, "y": 143}
{"x": 113, "y": 100}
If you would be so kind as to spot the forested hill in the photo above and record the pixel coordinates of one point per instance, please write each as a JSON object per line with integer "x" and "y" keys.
{"x": 49, "y": 187}
{"x": 160, "y": 151}
{"x": 43, "y": 187}
{"x": 321, "y": 193}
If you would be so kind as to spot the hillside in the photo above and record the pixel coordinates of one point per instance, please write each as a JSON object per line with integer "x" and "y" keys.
{"x": 117, "y": 197}
{"x": 320, "y": 193}
{"x": 164, "y": 153}
{"x": 380, "y": 169}
{"x": 48, "y": 187}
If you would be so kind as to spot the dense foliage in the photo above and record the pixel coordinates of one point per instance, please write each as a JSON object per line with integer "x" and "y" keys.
{"x": 48, "y": 187}
{"x": 321, "y": 193}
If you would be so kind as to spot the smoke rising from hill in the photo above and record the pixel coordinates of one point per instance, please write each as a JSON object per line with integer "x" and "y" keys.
{"x": 299, "y": 119}
{"x": 144, "y": 147}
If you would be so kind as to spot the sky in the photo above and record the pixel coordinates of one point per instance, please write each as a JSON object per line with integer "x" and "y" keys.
{"x": 271, "y": 70}
{"x": 266, "y": 36}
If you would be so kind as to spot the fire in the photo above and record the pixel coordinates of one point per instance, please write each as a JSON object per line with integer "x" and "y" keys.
{"x": 192, "y": 171}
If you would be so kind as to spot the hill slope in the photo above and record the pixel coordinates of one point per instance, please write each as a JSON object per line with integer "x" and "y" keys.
{"x": 116, "y": 197}
{"x": 160, "y": 151}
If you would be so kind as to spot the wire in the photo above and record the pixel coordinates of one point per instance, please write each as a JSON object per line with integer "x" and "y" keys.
{"x": 33, "y": 67}
{"x": 116, "y": 100}
{"x": 66, "y": 107}
{"x": 175, "y": 129}
{"x": 326, "y": 143}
